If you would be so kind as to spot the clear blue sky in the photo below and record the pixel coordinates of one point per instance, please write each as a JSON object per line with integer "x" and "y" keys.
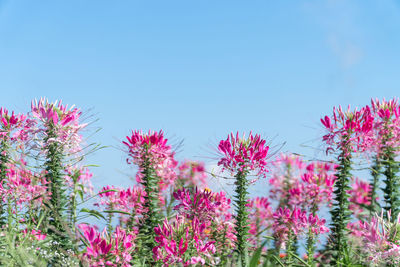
{"x": 199, "y": 69}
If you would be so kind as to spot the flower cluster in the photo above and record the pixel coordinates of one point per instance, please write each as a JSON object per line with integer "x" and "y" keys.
{"x": 105, "y": 250}
{"x": 360, "y": 196}
{"x": 244, "y": 154}
{"x": 130, "y": 200}
{"x": 200, "y": 204}
{"x": 297, "y": 184}
{"x": 296, "y": 222}
{"x": 179, "y": 240}
{"x": 286, "y": 172}
{"x": 260, "y": 211}
{"x": 191, "y": 174}
{"x": 23, "y": 187}
{"x": 61, "y": 122}
{"x": 346, "y": 129}
{"x": 14, "y": 127}
{"x": 142, "y": 146}
{"x": 386, "y": 125}
{"x": 79, "y": 177}
{"x": 379, "y": 240}
{"x": 315, "y": 187}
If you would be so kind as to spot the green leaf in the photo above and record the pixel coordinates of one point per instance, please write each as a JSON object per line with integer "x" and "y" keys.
{"x": 278, "y": 260}
{"x": 117, "y": 211}
{"x": 93, "y": 213}
{"x": 257, "y": 255}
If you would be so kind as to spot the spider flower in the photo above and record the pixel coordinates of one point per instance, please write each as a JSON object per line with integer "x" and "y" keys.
{"x": 103, "y": 249}
{"x": 61, "y": 122}
{"x": 379, "y": 240}
{"x": 360, "y": 196}
{"x": 347, "y": 129}
{"x": 244, "y": 154}
{"x": 180, "y": 242}
{"x": 152, "y": 144}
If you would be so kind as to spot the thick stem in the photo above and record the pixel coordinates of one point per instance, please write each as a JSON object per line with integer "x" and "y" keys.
{"x": 109, "y": 219}
{"x": 375, "y": 173}
{"x": 340, "y": 211}
{"x": 4, "y": 159}
{"x": 290, "y": 249}
{"x": 310, "y": 248}
{"x": 58, "y": 199}
{"x": 73, "y": 209}
{"x": 241, "y": 218}
{"x": 152, "y": 215}
{"x": 392, "y": 188}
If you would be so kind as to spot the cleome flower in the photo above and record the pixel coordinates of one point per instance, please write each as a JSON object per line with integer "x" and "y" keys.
{"x": 244, "y": 154}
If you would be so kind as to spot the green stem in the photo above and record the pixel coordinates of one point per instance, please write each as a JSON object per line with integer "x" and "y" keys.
{"x": 152, "y": 215}
{"x": 340, "y": 212}
{"x": 58, "y": 200}
{"x": 241, "y": 218}
{"x": 4, "y": 159}
{"x": 392, "y": 188}
{"x": 290, "y": 249}
{"x": 310, "y": 248}
{"x": 375, "y": 173}
{"x": 73, "y": 209}
{"x": 109, "y": 219}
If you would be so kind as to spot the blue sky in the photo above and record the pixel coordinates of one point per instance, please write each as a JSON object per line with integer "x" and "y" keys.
{"x": 199, "y": 69}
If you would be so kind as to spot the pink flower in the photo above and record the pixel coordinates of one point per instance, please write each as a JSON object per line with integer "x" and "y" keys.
{"x": 200, "y": 204}
{"x": 114, "y": 250}
{"x": 386, "y": 126}
{"x": 179, "y": 240}
{"x": 152, "y": 149}
{"x": 360, "y": 196}
{"x": 347, "y": 130}
{"x": 23, "y": 187}
{"x": 37, "y": 234}
{"x": 79, "y": 177}
{"x": 316, "y": 225}
{"x": 244, "y": 154}
{"x": 297, "y": 184}
{"x": 260, "y": 217}
{"x": 62, "y": 120}
{"x": 192, "y": 174}
{"x": 129, "y": 200}
{"x": 379, "y": 243}
{"x": 152, "y": 146}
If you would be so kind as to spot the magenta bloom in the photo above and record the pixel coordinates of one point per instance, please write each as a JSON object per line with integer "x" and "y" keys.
{"x": 152, "y": 145}
{"x": 378, "y": 240}
{"x": 315, "y": 188}
{"x": 260, "y": 217}
{"x": 180, "y": 242}
{"x": 153, "y": 149}
{"x": 63, "y": 120}
{"x": 316, "y": 225}
{"x": 289, "y": 220}
{"x": 35, "y": 234}
{"x": 360, "y": 196}
{"x": 386, "y": 126}
{"x": 286, "y": 172}
{"x": 15, "y": 127}
{"x": 347, "y": 130}
{"x": 200, "y": 204}
{"x": 105, "y": 250}
{"x": 297, "y": 184}
{"x": 297, "y": 222}
{"x": 130, "y": 200}
{"x": 192, "y": 174}
{"x": 244, "y": 154}
{"x": 22, "y": 187}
